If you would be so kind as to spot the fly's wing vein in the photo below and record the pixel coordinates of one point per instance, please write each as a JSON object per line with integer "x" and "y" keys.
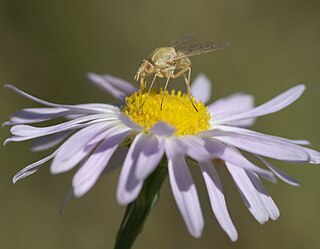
{"x": 183, "y": 42}
{"x": 202, "y": 48}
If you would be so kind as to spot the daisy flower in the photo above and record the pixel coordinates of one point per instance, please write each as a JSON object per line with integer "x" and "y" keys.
{"x": 98, "y": 136}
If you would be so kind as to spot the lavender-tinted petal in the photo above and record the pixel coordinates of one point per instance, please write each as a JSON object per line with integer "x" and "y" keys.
{"x": 76, "y": 148}
{"x": 276, "y": 104}
{"x": 265, "y": 198}
{"x": 227, "y": 153}
{"x": 217, "y": 200}
{"x": 121, "y": 84}
{"x": 314, "y": 155}
{"x": 74, "y": 108}
{"x": 150, "y": 155}
{"x": 32, "y": 168}
{"x": 129, "y": 186}
{"x": 247, "y": 131}
{"x": 201, "y": 88}
{"x": 162, "y": 129}
{"x": 129, "y": 123}
{"x": 235, "y": 103}
{"x": 93, "y": 167}
{"x": 31, "y": 131}
{"x": 263, "y": 145}
{"x": 279, "y": 173}
{"x": 200, "y": 149}
{"x": 185, "y": 194}
{"x": 47, "y": 142}
{"x": 248, "y": 193}
{"x": 117, "y": 159}
{"x": 118, "y": 88}
{"x": 36, "y": 115}
{"x": 174, "y": 147}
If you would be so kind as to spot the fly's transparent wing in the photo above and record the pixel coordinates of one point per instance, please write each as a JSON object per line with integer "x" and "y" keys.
{"x": 202, "y": 48}
{"x": 183, "y": 42}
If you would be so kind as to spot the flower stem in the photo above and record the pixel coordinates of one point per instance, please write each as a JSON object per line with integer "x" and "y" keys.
{"x": 137, "y": 212}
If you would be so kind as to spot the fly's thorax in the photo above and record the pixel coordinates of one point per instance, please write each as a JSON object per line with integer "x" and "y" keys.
{"x": 161, "y": 56}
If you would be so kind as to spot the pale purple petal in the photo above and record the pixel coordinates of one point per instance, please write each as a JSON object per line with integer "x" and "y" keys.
{"x": 248, "y": 193}
{"x": 279, "y": 173}
{"x": 36, "y": 115}
{"x": 76, "y": 148}
{"x": 201, "y": 88}
{"x": 150, "y": 155}
{"x": 263, "y": 145}
{"x": 117, "y": 159}
{"x": 276, "y": 104}
{"x": 174, "y": 146}
{"x": 314, "y": 155}
{"x": 214, "y": 149}
{"x": 117, "y": 87}
{"x": 47, "y": 142}
{"x": 235, "y": 103}
{"x": 217, "y": 200}
{"x": 75, "y": 108}
{"x": 185, "y": 194}
{"x": 129, "y": 123}
{"x": 93, "y": 167}
{"x": 26, "y": 132}
{"x": 266, "y": 199}
{"x": 32, "y": 168}
{"x": 162, "y": 129}
{"x": 129, "y": 186}
{"x": 200, "y": 149}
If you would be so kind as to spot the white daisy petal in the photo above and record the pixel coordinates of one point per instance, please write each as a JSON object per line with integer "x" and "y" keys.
{"x": 201, "y": 149}
{"x": 76, "y": 148}
{"x": 32, "y": 168}
{"x": 129, "y": 186}
{"x": 279, "y": 173}
{"x": 263, "y": 145}
{"x": 47, "y": 142}
{"x": 231, "y": 105}
{"x": 118, "y": 88}
{"x": 150, "y": 155}
{"x": 93, "y": 167}
{"x": 162, "y": 129}
{"x": 235, "y": 103}
{"x": 248, "y": 193}
{"x": 267, "y": 201}
{"x": 227, "y": 153}
{"x": 185, "y": 194}
{"x": 201, "y": 88}
{"x": 276, "y": 104}
{"x": 217, "y": 200}
{"x": 74, "y": 108}
{"x": 35, "y": 115}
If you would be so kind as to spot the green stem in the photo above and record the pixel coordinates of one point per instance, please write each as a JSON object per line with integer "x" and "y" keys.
{"x": 138, "y": 211}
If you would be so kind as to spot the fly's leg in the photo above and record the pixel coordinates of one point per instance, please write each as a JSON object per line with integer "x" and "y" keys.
{"x": 153, "y": 80}
{"x": 165, "y": 88}
{"x": 187, "y": 80}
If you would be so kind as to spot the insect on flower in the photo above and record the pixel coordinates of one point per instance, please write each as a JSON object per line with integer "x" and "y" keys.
{"x": 173, "y": 61}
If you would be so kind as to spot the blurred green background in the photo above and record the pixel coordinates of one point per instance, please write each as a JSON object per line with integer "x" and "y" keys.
{"x": 46, "y": 47}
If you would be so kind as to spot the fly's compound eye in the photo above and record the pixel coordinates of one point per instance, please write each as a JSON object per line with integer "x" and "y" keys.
{"x": 148, "y": 68}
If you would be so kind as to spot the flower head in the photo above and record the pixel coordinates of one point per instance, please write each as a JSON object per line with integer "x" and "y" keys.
{"x": 95, "y": 136}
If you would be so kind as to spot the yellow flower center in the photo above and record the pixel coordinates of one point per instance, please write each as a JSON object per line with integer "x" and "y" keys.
{"x": 177, "y": 111}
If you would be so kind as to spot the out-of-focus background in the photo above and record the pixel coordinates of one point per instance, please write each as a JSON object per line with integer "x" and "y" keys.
{"x": 46, "y": 48}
